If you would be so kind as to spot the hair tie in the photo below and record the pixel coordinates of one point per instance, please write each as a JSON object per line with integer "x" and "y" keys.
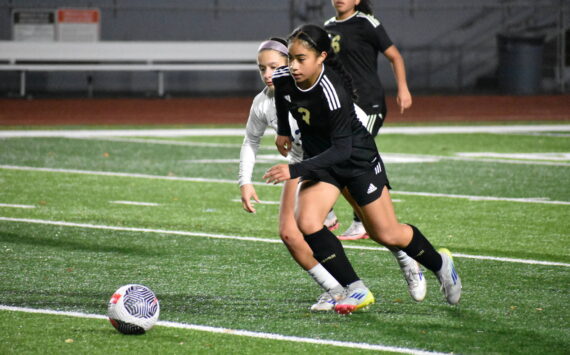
{"x": 274, "y": 45}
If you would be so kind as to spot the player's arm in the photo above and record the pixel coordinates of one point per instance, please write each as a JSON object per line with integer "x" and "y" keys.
{"x": 255, "y": 129}
{"x": 404, "y": 98}
{"x": 283, "y": 138}
{"x": 386, "y": 46}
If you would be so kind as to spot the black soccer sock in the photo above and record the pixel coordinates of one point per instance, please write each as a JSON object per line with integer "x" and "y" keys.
{"x": 356, "y": 218}
{"x": 421, "y": 250}
{"x": 328, "y": 251}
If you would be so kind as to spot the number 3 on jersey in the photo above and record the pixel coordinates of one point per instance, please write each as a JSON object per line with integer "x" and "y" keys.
{"x": 305, "y": 115}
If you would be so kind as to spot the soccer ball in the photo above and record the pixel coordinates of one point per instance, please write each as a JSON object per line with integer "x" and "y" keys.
{"x": 133, "y": 309}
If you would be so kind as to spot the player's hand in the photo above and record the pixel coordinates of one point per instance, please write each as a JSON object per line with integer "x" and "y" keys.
{"x": 247, "y": 193}
{"x": 277, "y": 174}
{"x": 283, "y": 144}
{"x": 404, "y": 100}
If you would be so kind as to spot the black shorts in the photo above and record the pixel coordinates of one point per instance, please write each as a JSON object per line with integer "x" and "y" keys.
{"x": 363, "y": 188}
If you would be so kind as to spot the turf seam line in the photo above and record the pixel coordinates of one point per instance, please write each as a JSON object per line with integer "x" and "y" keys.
{"x": 256, "y": 239}
{"x": 246, "y": 333}
{"x": 539, "y": 200}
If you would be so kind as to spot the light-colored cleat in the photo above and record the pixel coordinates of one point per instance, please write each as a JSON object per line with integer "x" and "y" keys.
{"x": 325, "y": 302}
{"x": 415, "y": 279}
{"x": 448, "y": 278}
{"x": 355, "y": 231}
{"x": 357, "y": 298}
{"x": 331, "y": 222}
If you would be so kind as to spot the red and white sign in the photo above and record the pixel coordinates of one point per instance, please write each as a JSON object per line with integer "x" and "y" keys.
{"x": 78, "y": 25}
{"x": 78, "y": 16}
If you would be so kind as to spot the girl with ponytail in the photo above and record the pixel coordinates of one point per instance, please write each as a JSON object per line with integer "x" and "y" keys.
{"x": 271, "y": 55}
{"x": 340, "y": 156}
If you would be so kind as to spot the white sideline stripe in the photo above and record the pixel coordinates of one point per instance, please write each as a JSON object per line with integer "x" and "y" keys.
{"x": 262, "y": 202}
{"x": 387, "y": 157}
{"x": 558, "y": 156}
{"x": 166, "y": 142}
{"x": 246, "y": 333}
{"x": 256, "y": 239}
{"x": 16, "y": 206}
{"x": 541, "y": 200}
{"x": 135, "y": 203}
{"x": 225, "y": 132}
{"x": 486, "y": 198}
{"x": 390, "y": 158}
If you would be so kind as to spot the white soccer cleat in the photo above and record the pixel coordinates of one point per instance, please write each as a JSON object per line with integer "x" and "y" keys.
{"x": 448, "y": 278}
{"x": 331, "y": 222}
{"x": 415, "y": 278}
{"x": 356, "y": 298}
{"x": 325, "y": 302}
{"x": 355, "y": 231}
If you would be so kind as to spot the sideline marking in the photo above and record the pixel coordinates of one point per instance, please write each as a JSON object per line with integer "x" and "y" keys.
{"x": 246, "y": 333}
{"x": 135, "y": 203}
{"x": 486, "y": 198}
{"x": 167, "y": 142}
{"x": 391, "y": 158}
{"x": 261, "y": 202}
{"x": 16, "y": 206}
{"x": 541, "y": 200}
{"x": 558, "y": 156}
{"x": 241, "y": 131}
{"x": 255, "y": 239}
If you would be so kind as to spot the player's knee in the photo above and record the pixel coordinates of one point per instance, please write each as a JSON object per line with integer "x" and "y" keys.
{"x": 309, "y": 225}
{"x": 391, "y": 237}
{"x": 290, "y": 236}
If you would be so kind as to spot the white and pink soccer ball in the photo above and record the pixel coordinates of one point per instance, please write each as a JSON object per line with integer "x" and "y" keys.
{"x": 133, "y": 309}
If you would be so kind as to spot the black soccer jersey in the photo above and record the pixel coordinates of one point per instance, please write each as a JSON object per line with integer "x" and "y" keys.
{"x": 331, "y": 134}
{"x": 358, "y": 40}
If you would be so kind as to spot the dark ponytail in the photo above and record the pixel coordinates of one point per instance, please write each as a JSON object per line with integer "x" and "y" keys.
{"x": 365, "y": 6}
{"x": 319, "y": 40}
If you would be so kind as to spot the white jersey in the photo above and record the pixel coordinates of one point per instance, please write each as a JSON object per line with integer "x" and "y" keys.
{"x": 262, "y": 115}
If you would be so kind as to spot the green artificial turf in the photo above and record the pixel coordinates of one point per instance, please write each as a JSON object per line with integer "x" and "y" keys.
{"x": 76, "y": 246}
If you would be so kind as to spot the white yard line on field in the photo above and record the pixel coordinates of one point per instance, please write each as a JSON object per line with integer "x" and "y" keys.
{"x": 16, "y": 206}
{"x": 168, "y": 142}
{"x": 485, "y": 198}
{"x": 246, "y": 333}
{"x": 252, "y": 239}
{"x": 261, "y": 202}
{"x": 135, "y": 203}
{"x": 540, "y": 200}
{"x": 389, "y": 158}
{"x": 225, "y": 132}
{"x": 558, "y": 156}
